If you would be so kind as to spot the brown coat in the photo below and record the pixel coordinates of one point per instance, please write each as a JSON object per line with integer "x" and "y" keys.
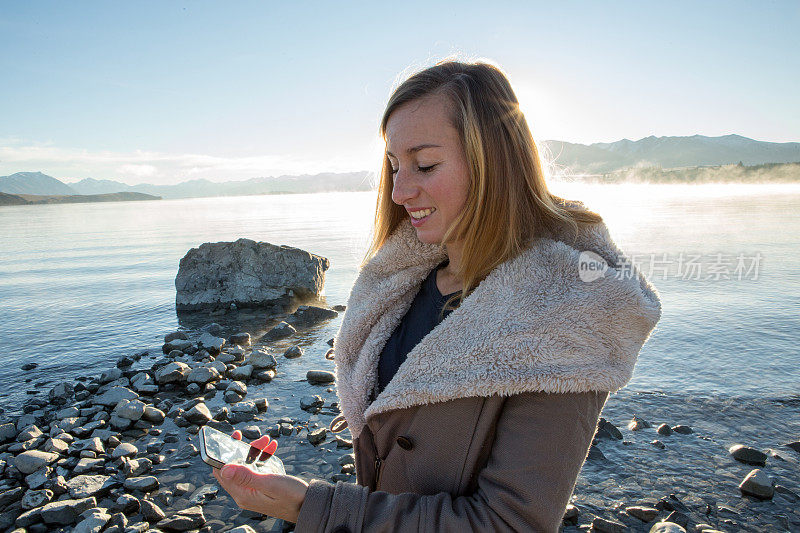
{"x": 486, "y": 424}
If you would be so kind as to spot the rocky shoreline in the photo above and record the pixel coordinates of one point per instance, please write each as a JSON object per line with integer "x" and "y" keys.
{"x": 119, "y": 452}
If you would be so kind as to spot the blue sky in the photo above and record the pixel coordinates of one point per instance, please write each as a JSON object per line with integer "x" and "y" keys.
{"x": 161, "y": 92}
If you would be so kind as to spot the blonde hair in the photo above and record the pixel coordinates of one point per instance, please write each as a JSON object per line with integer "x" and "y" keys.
{"x": 508, "y": 203}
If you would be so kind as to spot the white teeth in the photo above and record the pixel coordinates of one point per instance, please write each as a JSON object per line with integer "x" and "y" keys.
{"x": 421, "y": 214}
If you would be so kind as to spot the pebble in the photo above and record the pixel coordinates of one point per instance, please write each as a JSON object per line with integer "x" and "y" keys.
{"x": 311, "y": 403}
{"x": 293, "y": 352}
{"x": 748, "y": 455}
{"x": 251, "y": 432}
{"x": 199, "y": 414}
{"x": 125, "y": 449}
{"x": 32, "y": 460}
{"x": 144, "y": 483}
{"x": 638, "y": 423}
{"x": 607, "y": 526}
{"x": 320, "y": 376}
{"x": 758, "y": 484}
{"x": 664, "y": 429}
{"x": 191, "y": 518}
{"x": 241, "y": 373}
{"x": 317, "y": 436}
{"x": 150, "y": 511}
{"x": 645, "y": 514}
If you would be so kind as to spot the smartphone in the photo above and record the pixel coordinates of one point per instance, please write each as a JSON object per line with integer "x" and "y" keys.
{"x": 218, "y": 449}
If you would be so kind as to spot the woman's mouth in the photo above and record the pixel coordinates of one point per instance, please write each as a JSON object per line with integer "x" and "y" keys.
{"x": 419, "y": 216}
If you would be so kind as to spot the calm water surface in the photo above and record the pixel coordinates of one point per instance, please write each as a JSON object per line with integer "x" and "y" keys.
{"x": 83, "y": 284}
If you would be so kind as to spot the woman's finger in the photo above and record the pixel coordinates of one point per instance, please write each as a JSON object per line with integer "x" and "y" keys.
{"x": 261, "y": 442}
{"x": 236, "y": 435}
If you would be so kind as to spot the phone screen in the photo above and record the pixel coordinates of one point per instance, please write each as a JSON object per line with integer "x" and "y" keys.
{"x": 218, "y": 449}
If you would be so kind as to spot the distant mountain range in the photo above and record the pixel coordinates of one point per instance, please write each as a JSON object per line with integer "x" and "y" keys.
{"x": 600, "y": 160}
{"x": 28, "y": 199}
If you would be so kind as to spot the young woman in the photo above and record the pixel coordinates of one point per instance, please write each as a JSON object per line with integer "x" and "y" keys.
{"x": 473, "y": 360}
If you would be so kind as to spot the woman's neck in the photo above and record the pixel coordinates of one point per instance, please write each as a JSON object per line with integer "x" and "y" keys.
{"x": 446, "y": 279}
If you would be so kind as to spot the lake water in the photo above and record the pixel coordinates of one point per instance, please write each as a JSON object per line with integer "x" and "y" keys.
{"x": 83, "y": 284}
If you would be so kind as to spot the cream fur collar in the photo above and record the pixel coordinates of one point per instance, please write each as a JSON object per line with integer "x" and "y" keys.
{"x": 531, "y": 325}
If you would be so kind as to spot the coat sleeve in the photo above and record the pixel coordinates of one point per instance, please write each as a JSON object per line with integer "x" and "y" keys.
{"x": 540, "y": 445}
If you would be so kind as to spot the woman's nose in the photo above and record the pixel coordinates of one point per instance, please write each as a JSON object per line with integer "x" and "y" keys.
{"x": 404, "y": 188}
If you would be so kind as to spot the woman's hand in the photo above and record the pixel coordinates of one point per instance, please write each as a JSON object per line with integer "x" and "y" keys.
{"x": 274, "y": 495}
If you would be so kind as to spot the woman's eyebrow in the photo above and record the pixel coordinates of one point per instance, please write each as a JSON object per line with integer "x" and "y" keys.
{"x": 415, "y": 149}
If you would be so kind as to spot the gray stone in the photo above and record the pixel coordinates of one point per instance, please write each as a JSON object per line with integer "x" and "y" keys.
{"x": 607, "y": 526}
{"x": 643, "y": 513}
{"x": 293, "y": 352}
{"x": 251, "y": 432}
{"x": 32, "y": 460}
{"x": 125, "y": 449}
{"x": 281, "y": 331}
{"x": 309, "y": 315}
{"x": 242, "y": 372}
{"x": 240, "y": 339}
{"x": 172, "y": 373}
{"x": 177, "y": 344}
{"x": 136, "y": 467}
{"x": 150, "y": 511}
{"x": 238, "y": 387}
{"x": 191, "y": 518}
{"x": 87, "y": 485}
{"x": 248, "y": 273}
{"x": 110, "y": 375}
{"x": 261, "y": 360}
{"x": 748, "y": 455}
{"x": 153, "y": 415}
{"x": 342, "y": 442}
{"x": 144, "y": 483}
{"x": 87, "y": 464}
{"x": 682, "y": 429}
{"x": 211, "y": 343}
{"x": 36, "y": 498}
{"x": 664, "y": 429}
{"x": 30, "y": 432}
{"x": 758, "y": 484}
{"x": 114, "y": 395}
{"x": 232, "y": 397}
{"x": 242, "y": 529}
{"x": 320, "y": 376}
{"x": 128, "y": 504}
{"x": 203, "y": 375}
{"x": 7, "y": 432}
{"x": 311, "y": 403}
{"x": 93, "y": 522}
{"x": 317, "y": 436}
{"x": 130, "y": 409}
{"x": 638, "y": 423}
{"x": 264, "y": 375}
{"x": 199, "y": 414}
{"x": 56, "y": 446}
{"x": 65, "y": 512}
{"x": 176, "y": 335}
{"x": 68, "y": 413}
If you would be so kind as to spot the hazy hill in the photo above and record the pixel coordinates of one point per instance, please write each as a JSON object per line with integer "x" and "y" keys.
{"x": 670, "y": 152}
{"x": 28, "y": 199}
{"x": 33, "y": 183}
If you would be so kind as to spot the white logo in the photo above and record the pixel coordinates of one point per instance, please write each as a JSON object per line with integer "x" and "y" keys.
{"x": 591, "y": 266}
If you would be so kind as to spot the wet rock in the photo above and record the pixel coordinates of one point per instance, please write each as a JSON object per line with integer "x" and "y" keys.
{"x": 130, "y": 409}
{"x": 311, "y": 403}
{"x": 32, "y": 460}
{"x": 36, "y": 498}
{"x": 203, "y": 374}
{"x": 191, "y": 518}
{"x": 571, "y": 514}
{"x": 595, "y": 454}
{"x": 110, "y": 375}
{"x": 212, "y": 344}
{"x": 84, "y": 486}
{"x": 143, "y": 483}
{"x": 251, "y": 432}
{"x": 643, "y": 513}
{"x": 29, "y": 366}
{"x": 242, "y": 373}
{"x": 264, "y": 376}
{"x": 293, "y": 352}
{"x": 748, "y": 455}
{"x": 309, "y": 315}
{"x": 664, "y": 429}
{"x": 794, "y": 445}
{"x": 342, "y": 442}
{"x": 7, "y": 432}
{"x": 607, "y": 526}
{"x": 240, "y": 339}
{"x": 177, "y": 344}
{"x": 261, "y": 359}
{"x": 199, "y": 414}
{"x": 758, "y": 484}
{"x": 114, "y": 395}
{"x": 125, "y": 449}
{"x": 281, "y": 331}
{"x": 658, "y": 444}
{"x": 317, "y": 436}
{"x": 638, "y": 423}
{"x": 153, "y": 415}
{"x": 682, "y": 429}
{"x": 320, "y": 376}
{"x": 150, "y": 511}
{"x": 607, "y": 430}
{"x": 65, "y": 512}
{"x": 246, "y": 273}
{"x": 93, "y": 521}
{"x": 177, "y": 335}
{"x": 174, "y": 372}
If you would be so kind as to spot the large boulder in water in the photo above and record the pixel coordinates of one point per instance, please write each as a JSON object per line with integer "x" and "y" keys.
{"x": 248, "y": 274}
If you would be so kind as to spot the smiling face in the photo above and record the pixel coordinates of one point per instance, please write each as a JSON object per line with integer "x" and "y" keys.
{"x": 430, "y": 170}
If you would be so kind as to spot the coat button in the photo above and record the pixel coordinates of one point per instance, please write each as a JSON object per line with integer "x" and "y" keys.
{"x": 405, "y": 442}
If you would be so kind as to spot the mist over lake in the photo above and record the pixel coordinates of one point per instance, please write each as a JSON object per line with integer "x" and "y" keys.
{"x": 83, "y": 284}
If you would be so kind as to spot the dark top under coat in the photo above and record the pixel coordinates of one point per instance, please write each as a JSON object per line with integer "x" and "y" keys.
{"x": 421, "y": 318}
